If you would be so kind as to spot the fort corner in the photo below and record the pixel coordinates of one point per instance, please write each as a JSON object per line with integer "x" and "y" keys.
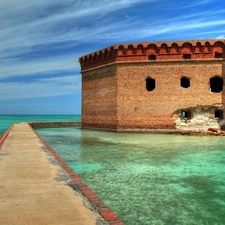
{"x": 164, "y": 85}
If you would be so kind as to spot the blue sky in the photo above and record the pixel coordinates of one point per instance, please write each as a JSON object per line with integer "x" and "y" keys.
{"x": 41, "y": 41}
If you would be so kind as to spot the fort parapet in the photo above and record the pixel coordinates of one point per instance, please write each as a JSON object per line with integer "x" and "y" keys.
{"x": 175, "y": 85}
{"x": 179, "y": 50}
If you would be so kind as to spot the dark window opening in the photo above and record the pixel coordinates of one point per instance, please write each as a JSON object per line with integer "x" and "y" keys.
{"x": 186, "y": 56}
{"x": 218, "y": 114}
{"x": 186, "y": 114}
{"x": 216, "y": 84}
{"x": 185, "y": 82}
{"x": 218, "y": 55}
{"x": 152, "y": 57}
{"x": 150, "y": 84}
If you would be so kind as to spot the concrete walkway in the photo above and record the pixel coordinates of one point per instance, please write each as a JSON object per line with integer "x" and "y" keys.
{"x": 34, "y": 189}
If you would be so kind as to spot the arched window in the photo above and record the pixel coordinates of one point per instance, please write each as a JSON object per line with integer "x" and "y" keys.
{"x": 186, "y": 114}
{"x": 216, "y": 84}
{"x": 140, "y": 49}
{"x": 164, "y": 49}
{"x": 198, "y": 47}
{"x": 174, "y": 48}
{"x": 121, "y": 50}
{"x": 207, "y": 47}
{"x": 185, "y": 82}
{"x": 130, "y": 50}
{"x": 218, "y": 114}
{"x": 187, "y": 50}
{"x": 150, "y": 84}
{"x": 218, "y": 49}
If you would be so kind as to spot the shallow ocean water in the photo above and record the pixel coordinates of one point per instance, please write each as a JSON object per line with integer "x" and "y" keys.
{"x": 149, "y": 178}
{"x": 7, "y": 120}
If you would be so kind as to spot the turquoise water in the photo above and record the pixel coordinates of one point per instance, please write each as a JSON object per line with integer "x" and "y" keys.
{"x": 6, "y": 121}
{"x": 149, "y": 178}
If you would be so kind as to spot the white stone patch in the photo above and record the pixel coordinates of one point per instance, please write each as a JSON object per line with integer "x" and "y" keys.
{"x": 200, "y": 121}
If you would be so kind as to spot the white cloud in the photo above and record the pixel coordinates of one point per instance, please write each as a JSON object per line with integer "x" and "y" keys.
{"x": 41, "y": 88}
{"x": 41, "y": 66}
{"x": 182, "y": 26}
{"x": 37, "y": 28}
{"x": 26, "y": 25}
{"x": 29, "y": 24}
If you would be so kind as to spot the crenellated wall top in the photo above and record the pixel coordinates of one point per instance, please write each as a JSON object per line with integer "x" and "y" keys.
{"x": 163, "y": 50}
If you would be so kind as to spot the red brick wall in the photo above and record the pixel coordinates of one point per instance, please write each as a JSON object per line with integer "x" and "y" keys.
{"x": 114, "y": 94}
{"x": 139, "y": 108}
{"x": 99, "y": 95}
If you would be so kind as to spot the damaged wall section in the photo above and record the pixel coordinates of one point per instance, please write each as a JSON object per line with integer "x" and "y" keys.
{"x": 200, "y": 118}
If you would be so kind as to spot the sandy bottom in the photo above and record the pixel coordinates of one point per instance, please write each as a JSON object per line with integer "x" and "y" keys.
{"x": 149, "y": 178}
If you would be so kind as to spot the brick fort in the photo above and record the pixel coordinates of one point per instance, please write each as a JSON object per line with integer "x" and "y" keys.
{"x": 175, "y": 85}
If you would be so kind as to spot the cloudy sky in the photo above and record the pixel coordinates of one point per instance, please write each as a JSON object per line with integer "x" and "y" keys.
{"x": 40, "y": 42}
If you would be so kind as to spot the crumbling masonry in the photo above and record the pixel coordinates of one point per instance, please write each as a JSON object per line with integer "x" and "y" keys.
{"x": 164, "y": 85}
